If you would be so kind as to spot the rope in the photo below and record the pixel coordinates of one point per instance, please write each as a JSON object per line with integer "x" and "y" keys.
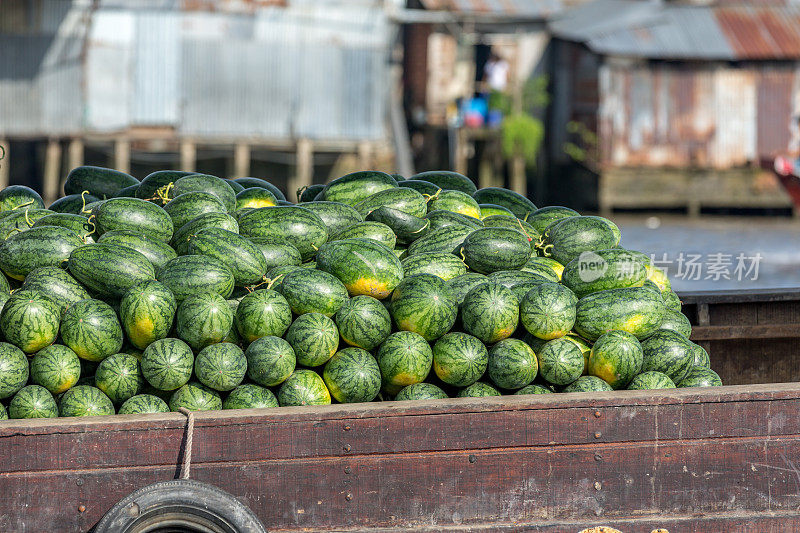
{"x": 187, "y": 450}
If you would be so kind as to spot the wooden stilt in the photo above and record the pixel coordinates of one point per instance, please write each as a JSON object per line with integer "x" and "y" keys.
{"x": 365, "y": 155}
{"x": 305, "y": 166}
{"x": 188, "y": 156}
{"x": 75, "y": 153}
{"x": 122, "y": 155}
{"x": 241, "y": 160}
{"x": 5, "y": 163}
{"x": 519, "y": 181}
{"x": 52, "y": 169}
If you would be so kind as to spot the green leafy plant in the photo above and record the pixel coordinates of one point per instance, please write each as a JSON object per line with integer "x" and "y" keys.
{"x": 522, "y": 133}
{"x": 583, "y": 147}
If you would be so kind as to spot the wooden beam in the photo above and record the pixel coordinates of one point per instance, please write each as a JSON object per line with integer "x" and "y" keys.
{"x": 188, "y": 156}
{"x": 52, "y": 169}
{"x": 305, "y": 166}
{"x": 241, "y": 160}
{"x": 461, "y": 152}
{"x": 5, "y": 166}
{"x": 122, "y": 155}
{"x": 75, "y": 153}
{"x": 365, "y": 155}
{"x": 519, "y": 179}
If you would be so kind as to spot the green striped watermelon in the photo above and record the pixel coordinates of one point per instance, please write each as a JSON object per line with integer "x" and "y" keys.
{"x": 101, "y": 182}
{"x": 250, "y": 396}
{"x": 447, "y": 180}
{"x": 455, "y": 202}
{"x": 313, "y": 291}
{"x": 365, "y": 267}
{"x": 587, "y": 384}
{"x": 246, "y": 183}
{"x": 29, "y": 320}
{"x": 109, "y": 269}
{"x": 335, "y": 215}
{"x": 33, "y": 401}
{"x": 307, "y": 193}
{"x": 534, "y": 389}
{"x": 700, "y": 376}
{"x": 700, "y": 356}
{"x": 374, "y": 231}
{"x": 303, "y": 387}
{"x": 672, "y": 301}
{"x": 119, "y": 377}
{"x": 658, "y": 276}
{"x": 85, "y": 400}
{"x": 488, "y": 250}
{"x": 404, "y": 358}
{"x": 442, "y": 219}
{"x": 459, "y": 359}
{"x": 637, "y": 310}
{"x": 203, "y": 319}
{"x": 478, "y": 390}
{"x": 616, "y": 358}
{"x": 400, "y": 198}
{"x": 352, "y": 375}
{"x": 143, "y": 404}
{"x": 407, "y": 228}
{"x": 298, "y": 226}
{"x": 494, "y": 210}
{"x": 352, "y": 188}
{"x": 421, "y": 391}
{"x": 515, "y": 202}
{"x": 156, "y": 251}
{"x": 262, "y": 313}
{"x": 72, "y": 203}
{"x": 182, "y": 234}
{"x": 4, "y": 413}
{"x": 500, "y": 221}
{"x": 255, "y": 197}
{"x": 314, "y": 339}
{"x": 243, "y": 258}
{"x": 547, "y": 311}
{"x": 512, "y": 364}
{"x": 38, "y": 247}
{"x": 560, "y": 361}
{"x": 185, "y": 207}
{"x": 56, "y": 368}
{"x": 14, "y": 370}
{"x": 443, "y": 240}
{"x": 221, "y": 367}
{"x": 134, "y": 214}
{"x": 188, "y": 275}
{"x": 460, "y": 285}
{"x": 676, "y": 321}
{"x": 421, "y": 186}
{"x": 566, "y": 239}
{"x": 603, "y": 269}
{"x": 441, "y": 264}
{"x": 17, "y": 196}
{"x": 363, "y": 322}
{"x": 146, "y": 312}
{"x": 167, "y": 364}
{"x": 91, "y": 329}
{"x": 535, "y": 266}
{"x": 548, "y": 262}
{"x": 511, "y": 278}
{"x": 424, "y": 305}
{"x": 277, "y": 254}
{"x": 651, "y": 380}
{"x": 208, "y": 184}
{"x": 76, "y": 223}
{"x": 195, "y": 397}
{"x": 270, "y": 361}
{"x": 540, "y": 219}
{"x": 668, "y": 352}
{"x": 154, "y": 181}
{"x": 490, "y": 312}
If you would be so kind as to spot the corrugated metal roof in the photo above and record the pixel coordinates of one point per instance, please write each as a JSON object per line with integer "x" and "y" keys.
{"x": 679, "y": 31}
{"x": 522, "y": 9}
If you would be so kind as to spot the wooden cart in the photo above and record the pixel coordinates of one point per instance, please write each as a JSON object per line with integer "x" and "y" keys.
{"x": 687, "y": 460}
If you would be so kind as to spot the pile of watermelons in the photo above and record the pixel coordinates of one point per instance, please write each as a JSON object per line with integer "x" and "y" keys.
{"x": 188, "y": 290}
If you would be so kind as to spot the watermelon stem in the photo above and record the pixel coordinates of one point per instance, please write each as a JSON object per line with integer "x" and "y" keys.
{"x": 162, "y": 193}
{"x": 26, "y": 204}
{"x": 429, "y": 197}
{"x": 12, "y": 231}
{"x": 83, "y": 198}
{"x": 86, "y": 226}
{"x": 28, "y": 220}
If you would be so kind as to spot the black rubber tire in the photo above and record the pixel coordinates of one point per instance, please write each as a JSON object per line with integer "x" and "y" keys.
{"x": 179, "y": 505}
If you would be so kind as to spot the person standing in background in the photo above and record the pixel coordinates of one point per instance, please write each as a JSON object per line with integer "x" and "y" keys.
{"x": 495, "y": 73}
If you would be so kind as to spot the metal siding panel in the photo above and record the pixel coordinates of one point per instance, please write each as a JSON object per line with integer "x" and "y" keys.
{"x": 735, "y": 118}
{"x": 156, "y": 69}
{"x": 774, "y": 113}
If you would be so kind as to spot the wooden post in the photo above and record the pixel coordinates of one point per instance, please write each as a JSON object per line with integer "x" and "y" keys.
{"x": 519, "y": 180}
{"x": 122, "y": 155}
{"x": 461, "y": 152}
{"x": 52, "y": 169}
{"x": 305, "y": 166}
{"x": 241, "y": 160}
{"x": 486, "y": 166}
{"x": 5, "y": 166}
{"x": 365, "y": 155}
{"x": 75, "y": 153}
{"x": 188, "y": 156}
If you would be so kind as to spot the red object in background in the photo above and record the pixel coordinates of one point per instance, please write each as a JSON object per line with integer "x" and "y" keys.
{"x": 788, "y": 172}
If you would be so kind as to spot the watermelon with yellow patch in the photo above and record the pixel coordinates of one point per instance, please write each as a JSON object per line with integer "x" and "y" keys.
{"x": 364, "y": 266}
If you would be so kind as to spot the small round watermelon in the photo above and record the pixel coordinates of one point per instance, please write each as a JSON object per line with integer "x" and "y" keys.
{"x": 677, "y": 321}
{"x": 460, "y": 285}
{"x": 616, "y": 358}
{"x": 30, "y": 320}
{"x": 534, "y": 389}
{"x": 490, "y": 312}
{"x": 584, "y": 346}
{"x": 701, "y": 357}
{"x": 560, "y": 361}
{"x": 363, "y": 322}
{"x": 423, "y": 304}
{"x": 14, "y": 370}
{"x": 56, "y": 368}
{"x": 651, "y": 380}
{"x": 668, "y": 352}
{"x": 404, "y": 358}
{"x": 91, "y": 329}
{"x": 700, "y": 376}
{"x": 587, "y": 384}
{"x": 262, "y": 313}
{"x": 459, "y": 359}
{"x": 314, "y": 339}
{"x": 146, "y": 312}
{"x": 313, "y": 291}
{"x": 203, "y": 319}
{"x": 143, "y": 404}
{"x": 167, "y": 364}
{"x": 85, "y": 400}
{"x": 119, "y": 377}
{"x": 352, "y": 375}
{"x": 33, "y": 401}
{"x": 548, "y": 310}
{"x": 512, "y": 364}
{"x": 195, "y": 397}
{"x": 421, "y": 391}
{"x": 221, "y": 367}
{"x": 270, "y": 361}
{"x": 304, "y": 387}
{"x": 250, "y": 396}
{"x": 478, "y": 390}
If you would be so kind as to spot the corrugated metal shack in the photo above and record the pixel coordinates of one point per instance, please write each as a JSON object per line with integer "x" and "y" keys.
{"x": 673, "y": 104}
{"x": 175, "y": 77}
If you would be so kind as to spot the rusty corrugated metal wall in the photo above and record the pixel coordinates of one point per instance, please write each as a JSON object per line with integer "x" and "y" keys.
{"x": 694, "y": 115}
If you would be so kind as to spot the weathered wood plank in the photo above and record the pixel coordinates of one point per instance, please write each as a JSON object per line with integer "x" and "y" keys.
{"x": 761, "y": 331}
